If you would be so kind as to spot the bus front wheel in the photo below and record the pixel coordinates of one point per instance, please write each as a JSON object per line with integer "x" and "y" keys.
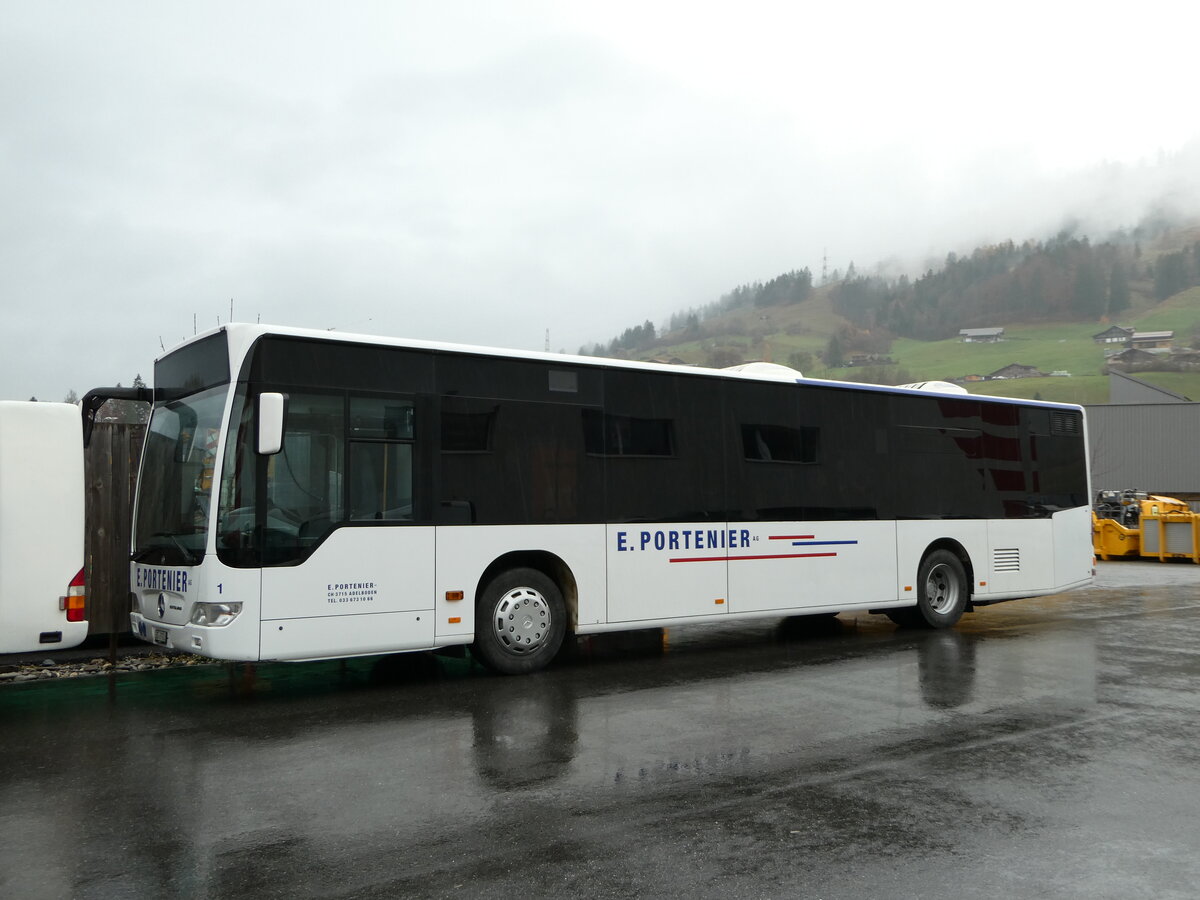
{"x": 520, "y": 620}
{"x": 942, "y": 593}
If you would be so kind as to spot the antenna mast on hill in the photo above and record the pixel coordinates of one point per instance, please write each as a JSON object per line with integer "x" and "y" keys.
{"x": 824, "y": 265}
{"x": 547, "y": 340}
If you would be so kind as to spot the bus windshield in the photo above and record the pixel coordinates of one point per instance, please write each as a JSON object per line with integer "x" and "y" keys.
{"x": 171, "y": 522}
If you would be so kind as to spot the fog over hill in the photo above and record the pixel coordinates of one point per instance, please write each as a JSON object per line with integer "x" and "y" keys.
{"x": 1086, "y": 234}
{"x": 488, "y": 173}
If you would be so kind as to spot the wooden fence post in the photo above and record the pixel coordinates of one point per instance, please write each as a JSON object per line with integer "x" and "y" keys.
{"x": 110, "y": 466}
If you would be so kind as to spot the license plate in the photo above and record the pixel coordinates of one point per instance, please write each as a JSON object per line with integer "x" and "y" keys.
{"x": 160, "y": 635}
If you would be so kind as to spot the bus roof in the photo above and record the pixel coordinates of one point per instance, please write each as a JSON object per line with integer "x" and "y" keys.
{"x": 242, "y": 336}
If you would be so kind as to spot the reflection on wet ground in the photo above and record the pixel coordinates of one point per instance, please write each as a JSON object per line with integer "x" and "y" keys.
{"x": 1045, "y": 747}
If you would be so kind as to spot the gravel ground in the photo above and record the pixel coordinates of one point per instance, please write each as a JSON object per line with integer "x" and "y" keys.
{"x": 23, "y": 667}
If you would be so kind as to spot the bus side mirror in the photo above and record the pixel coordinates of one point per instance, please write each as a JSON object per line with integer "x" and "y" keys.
{"x": 272, "y": 409}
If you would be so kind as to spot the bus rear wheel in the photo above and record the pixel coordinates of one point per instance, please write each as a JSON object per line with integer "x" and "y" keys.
{"x": 942, "y": 593}
{"x": 520, "y": 621}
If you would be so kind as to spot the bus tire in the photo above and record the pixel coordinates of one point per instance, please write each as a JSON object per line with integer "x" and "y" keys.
{"x": 942, "y": 594}
{"x": 520, "y": 621}
{"x": 942, "y": 590}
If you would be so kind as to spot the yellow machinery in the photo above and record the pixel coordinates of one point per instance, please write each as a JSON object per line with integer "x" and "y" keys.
{"x": 1134, "y": 523}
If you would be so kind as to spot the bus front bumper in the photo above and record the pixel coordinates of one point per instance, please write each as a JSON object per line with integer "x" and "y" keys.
{"x": 159, "y": 633}
{"x": 215, "y": 643}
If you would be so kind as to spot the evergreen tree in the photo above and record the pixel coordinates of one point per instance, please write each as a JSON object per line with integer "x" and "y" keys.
{"x": 1118, "y": 290}
{"x": 834, "y": 354}
{"x": 1088, "y": 297}
{"x": 1170, "y": 275}
{"x": 140, "y": 410}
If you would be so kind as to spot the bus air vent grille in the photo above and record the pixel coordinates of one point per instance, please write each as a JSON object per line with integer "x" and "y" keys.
{"x": 1006, "y": 560}
{"x": 1064, "y": 423}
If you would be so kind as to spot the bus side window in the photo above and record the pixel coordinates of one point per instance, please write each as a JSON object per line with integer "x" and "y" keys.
{"x": 381, "y": 459}
{"x": 304, "y": 479}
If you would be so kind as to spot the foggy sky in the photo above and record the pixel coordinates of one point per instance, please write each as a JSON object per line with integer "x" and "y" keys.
{"x": 484, "y": 172}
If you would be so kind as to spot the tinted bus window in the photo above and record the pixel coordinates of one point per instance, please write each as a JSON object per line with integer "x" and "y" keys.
{"x": 192, "y": 368}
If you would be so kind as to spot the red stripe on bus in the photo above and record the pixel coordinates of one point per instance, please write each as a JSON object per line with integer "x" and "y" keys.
{"x": 790, "y": 537}
{"x": 765, "y": 556}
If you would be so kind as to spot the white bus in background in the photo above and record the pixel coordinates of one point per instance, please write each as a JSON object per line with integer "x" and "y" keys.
{"x": 41, "y": 527}
{"x": 308, "y": 495}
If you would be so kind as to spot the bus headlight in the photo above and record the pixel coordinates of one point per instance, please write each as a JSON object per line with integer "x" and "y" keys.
{"x": 215, "y": 614}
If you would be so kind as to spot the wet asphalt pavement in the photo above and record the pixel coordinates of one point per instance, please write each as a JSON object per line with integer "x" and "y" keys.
{"x": 1042, "y": 748}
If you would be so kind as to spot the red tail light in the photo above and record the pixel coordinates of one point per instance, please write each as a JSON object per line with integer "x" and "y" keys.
{"x": 76, "y": 596}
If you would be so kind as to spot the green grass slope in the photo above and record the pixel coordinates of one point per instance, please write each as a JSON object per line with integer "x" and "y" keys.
{"x": 782, "y": 334}
{"x": 776, "y": 333}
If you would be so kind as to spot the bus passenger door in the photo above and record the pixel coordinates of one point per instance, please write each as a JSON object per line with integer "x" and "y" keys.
{"x": 806, "y": 474}
{"x": 348, "y": 547}
{"x": 664, "y": 477}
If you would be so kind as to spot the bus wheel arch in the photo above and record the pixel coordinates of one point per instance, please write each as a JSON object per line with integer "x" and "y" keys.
{"x": 525, "y": 605}
{"x": 944, "y": 579}
{"x": 963, "y": 557}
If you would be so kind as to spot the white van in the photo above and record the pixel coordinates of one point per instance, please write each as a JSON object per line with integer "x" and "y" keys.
{"x": 41, "y": 527}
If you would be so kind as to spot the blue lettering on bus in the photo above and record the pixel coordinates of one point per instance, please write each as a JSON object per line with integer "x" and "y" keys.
{"x": 174, "y": 580}
{"x": 685, "y": 539}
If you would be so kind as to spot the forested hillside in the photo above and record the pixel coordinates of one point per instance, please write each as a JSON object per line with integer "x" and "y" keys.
{"x": 1065, "y": 279}
{"x": 866, "y": 317}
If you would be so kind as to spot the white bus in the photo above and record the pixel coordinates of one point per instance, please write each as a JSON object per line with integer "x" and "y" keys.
{"x": 42, "y": 597}
{"x": 307, "y": 495}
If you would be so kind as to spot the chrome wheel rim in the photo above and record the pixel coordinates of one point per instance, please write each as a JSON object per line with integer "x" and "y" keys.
{"x": 941, "y": 589}
{"x": 522, "y": 621}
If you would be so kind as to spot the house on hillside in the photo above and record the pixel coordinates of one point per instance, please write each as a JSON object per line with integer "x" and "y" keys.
{"x": 871, "y": 359}
{"x": 981, "y": 335}
{"x": 1152, "y": 340}
{"x": 1134, "y": 360}
{"x": 1114, "y": 335}
{"x": 1130, "y": 360}
{"x": 1016, "y": 370}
